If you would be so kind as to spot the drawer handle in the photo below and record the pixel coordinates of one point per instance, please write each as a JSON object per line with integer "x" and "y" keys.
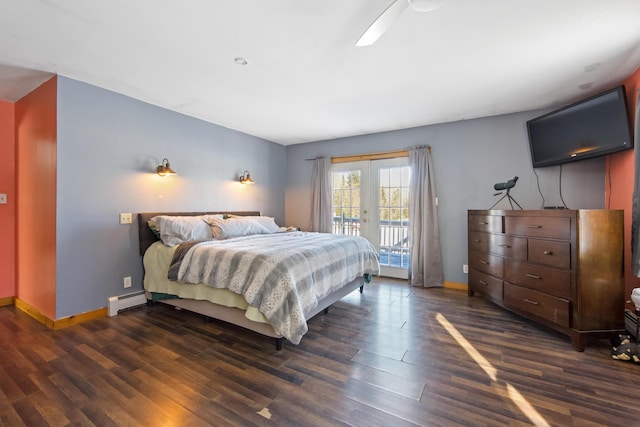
{"x": 477, "y": 240}
{"x": 531, "y": 302}
{"x": 483, "y": 223}
{"x": 533, "y": 276}
{"x": 484, "y": 262}
{"x": 548, "y": 252}
{"x": 482, "y": 282}
{"x": 504, "y": 246}
{"x": 534, "y": 226}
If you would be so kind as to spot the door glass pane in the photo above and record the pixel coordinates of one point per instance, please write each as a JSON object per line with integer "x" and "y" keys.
{"x": 393, "y": 216}
{"x": 346, "y": 202}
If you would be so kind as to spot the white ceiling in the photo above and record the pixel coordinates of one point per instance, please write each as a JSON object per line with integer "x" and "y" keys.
{"x": 305, "y": 80}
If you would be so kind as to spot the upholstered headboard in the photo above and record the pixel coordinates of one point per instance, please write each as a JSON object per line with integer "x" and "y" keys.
{"x": 146, "y": 236}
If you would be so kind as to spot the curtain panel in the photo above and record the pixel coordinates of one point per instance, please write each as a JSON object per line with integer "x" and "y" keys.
{"x": 321, "y": 218}
{"x": 424, "y": 238}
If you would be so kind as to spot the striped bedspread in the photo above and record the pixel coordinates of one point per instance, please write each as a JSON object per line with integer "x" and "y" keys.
{"x": 282, "y": 274}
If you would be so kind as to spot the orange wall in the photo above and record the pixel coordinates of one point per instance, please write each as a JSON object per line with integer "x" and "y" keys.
{"x": 620, "y": 178}
{"x": 36, "y": 131}
{"x": 8, "y": 211}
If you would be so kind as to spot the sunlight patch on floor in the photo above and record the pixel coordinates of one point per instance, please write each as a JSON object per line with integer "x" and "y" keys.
{"x": 525, "y": 406}
{"x": 470, "y": 349}
{"x": 513, "y": 393}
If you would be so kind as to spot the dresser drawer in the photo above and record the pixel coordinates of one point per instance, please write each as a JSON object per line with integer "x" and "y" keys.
{"x": 486, "y": 284}
{"x": 543, "y": 279}
{"x": 508, "y": 246}
{"x": 479, "y": 241}
{"x": 486, "y": 263}
{"x": 488, "y": 223}
{"x": 538, "y": 226}
{"x": 551, "y": 253}
{"x": 539, "y": 304}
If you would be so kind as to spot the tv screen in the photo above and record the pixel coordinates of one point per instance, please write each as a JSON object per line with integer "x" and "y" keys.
{"x": 592, "y": 127}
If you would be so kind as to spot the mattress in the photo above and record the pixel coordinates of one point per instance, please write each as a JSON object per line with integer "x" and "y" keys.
{"x": 157, "y": 260}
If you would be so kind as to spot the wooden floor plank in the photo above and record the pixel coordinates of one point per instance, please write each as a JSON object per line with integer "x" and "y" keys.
{"x": 52, "y": 413}
{"x": 9, "y": 416}
{"x": 9, "y": 390}
{"x": 133, "y": 407}
{"x": 381, "y": 358}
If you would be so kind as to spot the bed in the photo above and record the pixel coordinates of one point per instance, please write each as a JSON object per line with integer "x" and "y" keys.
{"x": 270, "y": 281}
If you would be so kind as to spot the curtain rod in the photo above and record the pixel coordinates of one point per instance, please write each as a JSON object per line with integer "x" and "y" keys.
{"x": 371, "y": 156}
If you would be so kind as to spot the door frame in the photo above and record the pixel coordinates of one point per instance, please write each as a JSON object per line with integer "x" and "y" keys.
{"x": 369, "y": 203}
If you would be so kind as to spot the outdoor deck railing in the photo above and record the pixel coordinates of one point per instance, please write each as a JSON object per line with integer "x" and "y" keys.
{"x": 393, "y": 233}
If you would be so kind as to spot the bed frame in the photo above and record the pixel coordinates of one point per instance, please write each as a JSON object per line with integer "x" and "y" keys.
{"x": 231, "y": 315}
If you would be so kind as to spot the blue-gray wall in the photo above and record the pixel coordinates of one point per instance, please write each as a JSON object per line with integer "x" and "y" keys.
{"x": 108, "y": 147}
{"x": 469, "y": 157}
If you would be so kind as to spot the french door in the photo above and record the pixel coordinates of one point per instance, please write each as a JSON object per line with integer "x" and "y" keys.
{"x": 371, "y": 199}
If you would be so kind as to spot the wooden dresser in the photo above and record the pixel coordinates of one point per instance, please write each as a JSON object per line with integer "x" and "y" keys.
{"x": 560, "y": 268}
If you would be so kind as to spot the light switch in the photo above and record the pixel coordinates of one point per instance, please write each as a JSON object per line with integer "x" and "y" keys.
{"x": 125, "y": 218}
{"x": 3, "y": 199}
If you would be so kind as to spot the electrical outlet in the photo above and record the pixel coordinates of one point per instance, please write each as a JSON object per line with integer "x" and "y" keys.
{"x": 3, "y": 199}
{"x": 465, "y": 268}
{"x": 126, "y": 218}
{"x": 127, "y": 282}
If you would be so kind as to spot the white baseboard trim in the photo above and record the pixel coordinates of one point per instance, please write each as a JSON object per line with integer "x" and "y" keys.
{"x": 122, "y": 302}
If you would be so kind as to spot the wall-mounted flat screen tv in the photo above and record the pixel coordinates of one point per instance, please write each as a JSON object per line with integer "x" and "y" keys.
{"x": 592, "y": 127}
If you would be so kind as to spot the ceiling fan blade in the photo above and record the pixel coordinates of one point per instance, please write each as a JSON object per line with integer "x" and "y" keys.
{"x": 426, "y": 5}
{"x": 382, "y": 23}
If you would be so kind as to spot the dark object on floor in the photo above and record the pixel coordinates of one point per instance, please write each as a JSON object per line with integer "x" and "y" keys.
{"x": 626, "y": 350}
{"x": 620, "y": 339}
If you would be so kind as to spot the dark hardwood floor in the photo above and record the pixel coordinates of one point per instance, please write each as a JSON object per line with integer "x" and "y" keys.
{"x": 393, "y": 356}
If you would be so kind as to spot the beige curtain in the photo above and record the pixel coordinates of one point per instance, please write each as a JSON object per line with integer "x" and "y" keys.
{"x": 424, "y": 239}
{"x": 321, "y": 220}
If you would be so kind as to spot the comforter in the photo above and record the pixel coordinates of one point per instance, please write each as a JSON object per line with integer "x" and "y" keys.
{"x": 282, "y": 274}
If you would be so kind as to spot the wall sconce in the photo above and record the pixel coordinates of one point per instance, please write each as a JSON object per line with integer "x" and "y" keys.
{"x": 245, "y": 178}
{"x": 164, "y": 169}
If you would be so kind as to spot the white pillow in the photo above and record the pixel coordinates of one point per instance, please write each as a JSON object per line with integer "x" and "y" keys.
{"x": 238, "y": 226}
{"x": 266, "y": 221}
{"x": 178, "y": 229}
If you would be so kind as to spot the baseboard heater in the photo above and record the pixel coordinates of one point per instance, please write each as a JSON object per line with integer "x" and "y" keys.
{"x": 630, "y": 322}
{"x": 122, "y": 302}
